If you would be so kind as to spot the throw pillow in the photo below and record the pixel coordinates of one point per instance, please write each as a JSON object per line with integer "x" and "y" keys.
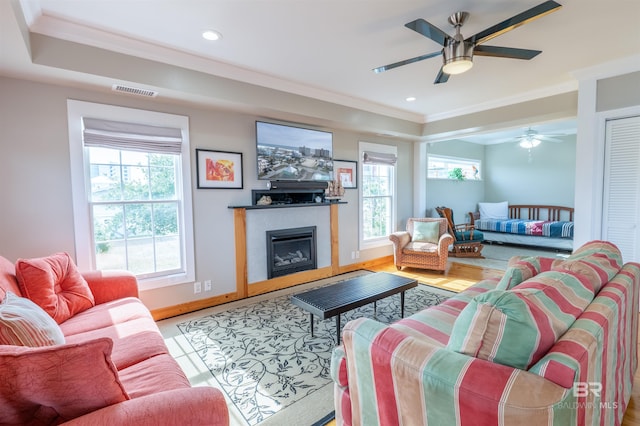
{"x": 494, "y": 210}
{"x": 518, "y": 327}
{"x": 53, "y": 384}
{"x": 426, "y": 232}
{"x": 24, "y": 323}
{"x": 55, "y": 284}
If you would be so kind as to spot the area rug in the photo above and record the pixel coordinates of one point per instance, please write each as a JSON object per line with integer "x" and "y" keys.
{"x": 263, "y": 357}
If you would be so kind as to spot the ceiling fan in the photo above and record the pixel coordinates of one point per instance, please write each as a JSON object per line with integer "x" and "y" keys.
{"x": 457, "y": 52}
{"x": 531, "y": 138}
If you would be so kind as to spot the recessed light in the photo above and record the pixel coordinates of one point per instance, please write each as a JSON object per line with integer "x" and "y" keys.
{"x": 410, "y": 99}
{"x": 211, "y": 35}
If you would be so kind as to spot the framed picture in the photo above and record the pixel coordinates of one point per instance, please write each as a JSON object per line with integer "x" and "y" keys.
{"x": 219, "y": 169}
{"x": 346, "y": 172}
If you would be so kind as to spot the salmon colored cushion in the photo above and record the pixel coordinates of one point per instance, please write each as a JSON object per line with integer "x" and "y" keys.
{"x": 53, "y": 384}
{"x": 55, "y": 284}
{"x": 24, "y": 323}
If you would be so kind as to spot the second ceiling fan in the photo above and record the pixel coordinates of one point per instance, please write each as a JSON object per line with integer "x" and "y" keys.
{"x": 457, "y": 52}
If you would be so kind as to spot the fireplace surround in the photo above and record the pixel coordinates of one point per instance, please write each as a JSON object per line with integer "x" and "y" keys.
{"x": 291, "y": 250}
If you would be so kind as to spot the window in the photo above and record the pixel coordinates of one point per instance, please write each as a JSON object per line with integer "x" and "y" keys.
{"x": 377, "y": 194}
{"x": 131, "y": 192}
{"x": 440, "y": 167}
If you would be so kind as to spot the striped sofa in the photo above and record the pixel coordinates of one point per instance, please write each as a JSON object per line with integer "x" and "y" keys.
{"x": 552, "y": 342}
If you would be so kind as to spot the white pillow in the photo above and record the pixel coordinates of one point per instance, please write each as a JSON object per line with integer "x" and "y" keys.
{"x": 494, "y": 210}
{"x": 23, "y": 323}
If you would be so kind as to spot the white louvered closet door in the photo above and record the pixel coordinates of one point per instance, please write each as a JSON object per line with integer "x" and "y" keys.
{"x": 621, "y": 198}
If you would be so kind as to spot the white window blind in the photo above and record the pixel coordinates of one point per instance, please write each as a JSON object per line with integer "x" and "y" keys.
{"x": 369, "y": 157}
{"x": 131, "y": 136}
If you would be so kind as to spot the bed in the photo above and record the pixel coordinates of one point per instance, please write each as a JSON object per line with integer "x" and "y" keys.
{"x": 531, "y": 225}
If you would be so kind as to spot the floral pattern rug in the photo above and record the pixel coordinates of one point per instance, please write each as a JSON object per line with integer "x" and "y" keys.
{"x": 263, "y": 356}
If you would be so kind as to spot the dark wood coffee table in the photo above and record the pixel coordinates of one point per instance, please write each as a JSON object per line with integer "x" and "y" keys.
{"x": 333, "y": 300}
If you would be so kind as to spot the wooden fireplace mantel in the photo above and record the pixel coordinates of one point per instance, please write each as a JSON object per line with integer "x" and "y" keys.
{"x": 243, "y": 288}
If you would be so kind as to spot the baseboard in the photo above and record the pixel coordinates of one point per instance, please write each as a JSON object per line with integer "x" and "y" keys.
{"x": 196, "y": 305}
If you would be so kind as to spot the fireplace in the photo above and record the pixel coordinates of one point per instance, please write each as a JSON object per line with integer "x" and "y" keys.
{"x": 291, "y": 250}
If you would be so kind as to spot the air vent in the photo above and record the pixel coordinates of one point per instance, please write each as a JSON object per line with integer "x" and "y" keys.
{"x": 134, "y": 90}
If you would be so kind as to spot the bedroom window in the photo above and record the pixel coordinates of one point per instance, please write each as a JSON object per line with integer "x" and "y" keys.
{"x": 440, "y": 167}
{"x": 377, "y": 215}
{"x": 131, "y": 185}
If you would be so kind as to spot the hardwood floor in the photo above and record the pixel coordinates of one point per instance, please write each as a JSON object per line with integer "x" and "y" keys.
{"x": 460, "y": 276}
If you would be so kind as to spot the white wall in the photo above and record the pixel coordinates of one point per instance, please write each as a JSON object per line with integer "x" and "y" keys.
{"x": 35, "y": 182}
{"x": 546, "y": 177}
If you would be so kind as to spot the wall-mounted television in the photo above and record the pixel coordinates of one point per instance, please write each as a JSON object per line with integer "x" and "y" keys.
{"x": 293, "y": 153}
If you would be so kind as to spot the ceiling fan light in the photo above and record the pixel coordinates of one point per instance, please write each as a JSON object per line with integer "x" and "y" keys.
{"x": 529, "y": 143}
{"x": 457, "y": 66}
{"x": 458, "y": 57}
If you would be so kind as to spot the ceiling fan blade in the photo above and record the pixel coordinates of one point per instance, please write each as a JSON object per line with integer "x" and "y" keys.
{"x": 505, "y": 52}
{"x": 428, "y": 30}
{"x": 441, "y": 77}
{"x": 549, "y": 139}
{"x": 405, "y": 62}
{"x": 515, "y": 21}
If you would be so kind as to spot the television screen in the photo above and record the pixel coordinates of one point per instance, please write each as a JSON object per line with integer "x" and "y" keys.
{"x": 293, "y": 153}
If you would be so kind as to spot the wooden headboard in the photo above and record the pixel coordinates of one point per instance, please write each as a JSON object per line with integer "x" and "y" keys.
{"x": 535, "y": 212}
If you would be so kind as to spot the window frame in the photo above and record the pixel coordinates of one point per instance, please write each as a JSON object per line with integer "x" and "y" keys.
{"x": 453, "y": 159}
{"x": 382, "y": 240}
{"x": 80, "y": 183}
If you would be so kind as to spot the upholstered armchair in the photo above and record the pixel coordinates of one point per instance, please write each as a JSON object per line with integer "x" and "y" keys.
{"x": 424, "y": 245}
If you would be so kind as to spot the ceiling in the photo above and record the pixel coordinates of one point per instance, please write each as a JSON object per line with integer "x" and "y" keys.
{"x": 326, "y": 49}
{"x": 558, "y": 129}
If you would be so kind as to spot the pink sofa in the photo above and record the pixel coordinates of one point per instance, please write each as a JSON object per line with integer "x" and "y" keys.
{"x": 114, "y": 367}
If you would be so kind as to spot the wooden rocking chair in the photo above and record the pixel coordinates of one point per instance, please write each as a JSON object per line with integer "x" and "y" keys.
{"x": 467, "y": 240}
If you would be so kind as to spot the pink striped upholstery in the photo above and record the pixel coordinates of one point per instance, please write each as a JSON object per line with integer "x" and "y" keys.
{"x": 521, "y": 269}
{"x": 405, "y": 374}
{"x": 599, "y": 262}
{"x": 518, "y": 327}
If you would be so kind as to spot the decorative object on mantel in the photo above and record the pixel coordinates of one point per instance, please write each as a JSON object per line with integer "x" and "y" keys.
{"x": 334, "y": 191}
{"x": 219, "y": 169}
{"x": 265, "y": 200}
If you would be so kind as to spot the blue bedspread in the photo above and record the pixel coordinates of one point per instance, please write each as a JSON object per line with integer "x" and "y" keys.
{"x": 540, "y": 228}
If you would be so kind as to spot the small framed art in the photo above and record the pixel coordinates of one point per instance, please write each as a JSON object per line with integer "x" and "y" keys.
{"x": 219, "y": 169}
{"x": 346, "y": 172}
